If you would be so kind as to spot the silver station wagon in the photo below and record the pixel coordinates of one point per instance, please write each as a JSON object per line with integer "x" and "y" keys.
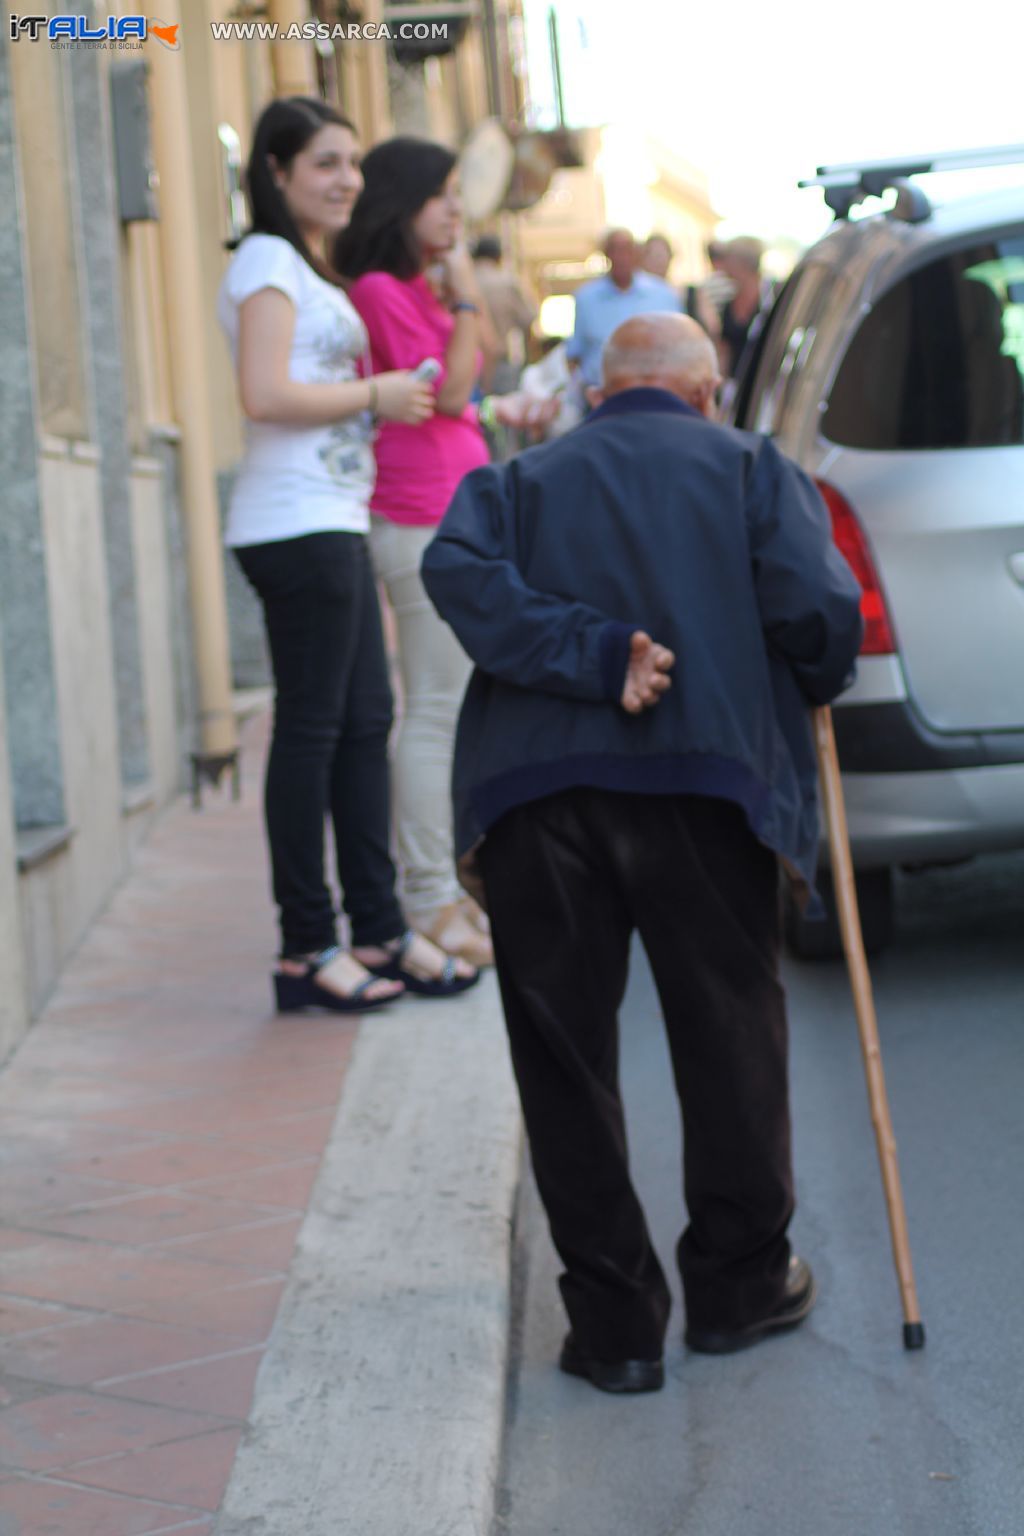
{"x": 892, "y": 370}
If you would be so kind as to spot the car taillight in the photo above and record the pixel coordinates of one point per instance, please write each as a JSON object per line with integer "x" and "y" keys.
{"x": 853, "y": 546}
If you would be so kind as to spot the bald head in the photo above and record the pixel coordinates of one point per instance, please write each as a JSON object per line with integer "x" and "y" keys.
{"x": 662, "y": 351}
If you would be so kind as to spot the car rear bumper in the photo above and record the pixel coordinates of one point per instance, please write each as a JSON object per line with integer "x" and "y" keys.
{"x": 916, "y": 795}
{"x": 891, "y": 738}
{"x": 929, "y": 817}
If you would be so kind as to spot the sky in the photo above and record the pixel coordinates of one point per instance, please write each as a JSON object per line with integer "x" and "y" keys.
{"x": 758, "y": 96}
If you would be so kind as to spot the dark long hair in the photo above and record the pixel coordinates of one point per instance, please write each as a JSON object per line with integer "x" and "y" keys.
{"x": 399, "y": 176}
{"x": 283, "y": 130}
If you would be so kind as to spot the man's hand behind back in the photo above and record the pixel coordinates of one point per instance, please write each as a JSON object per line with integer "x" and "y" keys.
{"x": 646, "y": 673}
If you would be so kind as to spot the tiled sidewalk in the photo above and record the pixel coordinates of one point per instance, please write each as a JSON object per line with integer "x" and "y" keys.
{"x": 160, "y": 1131}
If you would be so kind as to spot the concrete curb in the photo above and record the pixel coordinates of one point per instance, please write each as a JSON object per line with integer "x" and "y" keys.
{"x": 380, "y": 1401}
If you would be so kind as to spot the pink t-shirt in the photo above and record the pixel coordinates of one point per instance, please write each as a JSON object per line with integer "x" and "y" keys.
{"x": 418, "y": 468}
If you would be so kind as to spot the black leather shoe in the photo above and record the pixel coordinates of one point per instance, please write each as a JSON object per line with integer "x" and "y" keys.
{"x": 797, "y": 1301}
{"x": 611, "y": 1375}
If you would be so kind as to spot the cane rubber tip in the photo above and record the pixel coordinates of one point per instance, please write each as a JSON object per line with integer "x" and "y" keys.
{"x": 913, "y": 1335}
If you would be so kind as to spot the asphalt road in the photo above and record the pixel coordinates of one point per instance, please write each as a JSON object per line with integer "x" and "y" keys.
{"x": 833, "y": 1430}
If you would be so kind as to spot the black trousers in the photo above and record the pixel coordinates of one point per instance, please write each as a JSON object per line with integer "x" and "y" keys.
{"x": 568, "y": 880}
{"x": 329, "y": 752}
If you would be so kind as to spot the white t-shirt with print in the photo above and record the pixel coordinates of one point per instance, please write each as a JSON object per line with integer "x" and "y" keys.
{"x": 295, "y": 480}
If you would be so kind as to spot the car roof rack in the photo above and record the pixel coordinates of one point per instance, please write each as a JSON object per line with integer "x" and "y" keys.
{"x": 846, "y": 185}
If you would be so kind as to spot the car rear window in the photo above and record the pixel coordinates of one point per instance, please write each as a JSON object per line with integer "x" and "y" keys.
{"x": 938, "y": 362}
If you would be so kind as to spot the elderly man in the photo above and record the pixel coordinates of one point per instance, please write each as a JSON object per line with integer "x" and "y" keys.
{"x": 621, "y": 292}
{"x": 650, "y": 602}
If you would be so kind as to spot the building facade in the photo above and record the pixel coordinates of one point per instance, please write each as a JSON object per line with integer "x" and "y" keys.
{"x": 119, "y": 430}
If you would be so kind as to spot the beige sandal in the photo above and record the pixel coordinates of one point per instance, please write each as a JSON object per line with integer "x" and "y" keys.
{"x": 451, "y": 930}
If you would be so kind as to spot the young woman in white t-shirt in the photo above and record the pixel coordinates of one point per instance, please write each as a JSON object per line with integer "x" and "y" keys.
{"x": 297, "y": 522}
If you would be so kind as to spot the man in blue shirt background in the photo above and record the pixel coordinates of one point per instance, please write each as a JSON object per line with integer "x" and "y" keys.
{"x": 605, "y": 302}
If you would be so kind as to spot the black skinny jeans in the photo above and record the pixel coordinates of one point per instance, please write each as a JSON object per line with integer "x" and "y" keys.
{"x": 329, "y": 753}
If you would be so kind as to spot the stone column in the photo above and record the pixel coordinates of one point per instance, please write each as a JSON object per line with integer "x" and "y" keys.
{"x": 26, "y": 645}
{"x": 187, "y": 322}
{"x": 98, "y": 220}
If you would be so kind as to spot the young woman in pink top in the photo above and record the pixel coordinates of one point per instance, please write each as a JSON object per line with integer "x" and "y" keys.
{"x": 406, "y": 221}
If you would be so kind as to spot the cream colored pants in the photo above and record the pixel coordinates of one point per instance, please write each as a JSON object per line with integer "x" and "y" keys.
{"x": 434, "y": 671}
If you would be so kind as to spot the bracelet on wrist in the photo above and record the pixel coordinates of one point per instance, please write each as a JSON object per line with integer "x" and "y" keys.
{"x": 487, "y": 413}
{"x": 464, "y": 306}
{"x": 372, "y": 401}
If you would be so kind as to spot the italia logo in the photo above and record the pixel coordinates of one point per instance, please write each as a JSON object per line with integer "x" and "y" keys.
{"x": 78, "y": 29}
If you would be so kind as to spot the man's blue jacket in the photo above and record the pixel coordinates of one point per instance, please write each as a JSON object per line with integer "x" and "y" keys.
{"x": 650, "y": 517}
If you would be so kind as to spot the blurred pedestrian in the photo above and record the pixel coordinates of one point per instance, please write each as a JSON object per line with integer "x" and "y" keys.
{"x": 650, "y": 601}
{"x": 656, "y": 256}
{"x": 408, "y": 220}
{"x": 551, "y": 379}
{"x": 511, "y": 314}
{"x": 603, "y": 303}
{"x": 715, "y": 285}
{"x": 741, "y": 264}
{"x": 297, "y": 521}
{"x": 697, "y": 299}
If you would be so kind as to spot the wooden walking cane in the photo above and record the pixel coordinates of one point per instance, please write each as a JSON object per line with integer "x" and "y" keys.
{"x": 867, "y": 1023}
